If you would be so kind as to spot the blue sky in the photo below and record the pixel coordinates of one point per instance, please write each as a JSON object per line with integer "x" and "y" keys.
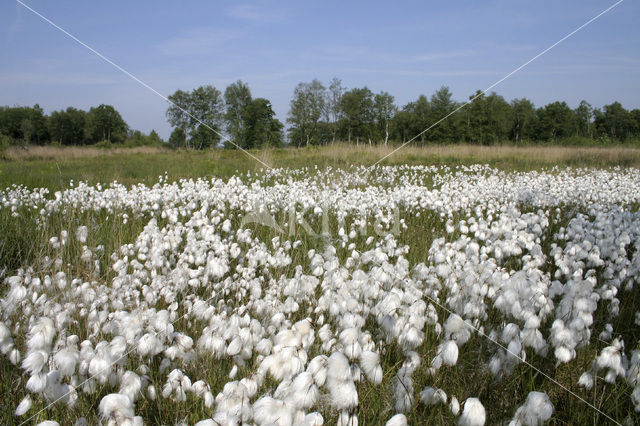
{"x": 407, "y": 48}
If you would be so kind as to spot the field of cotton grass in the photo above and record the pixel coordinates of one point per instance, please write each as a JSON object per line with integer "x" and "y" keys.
{"x": 393, "y": 294}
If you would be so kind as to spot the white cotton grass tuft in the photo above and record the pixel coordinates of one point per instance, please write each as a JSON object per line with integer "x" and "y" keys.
{"x": 268, "y": 410}
{"x": 473, "y": 413}
{"x": 370, "y": 364}
{"x": 433, "y": 396}
{"x": 586, "y": 380}
{"x": 455, "y": 328}
{"x": 397, "y": 420}
{"x": 403, "y": 391}
{"x": 318, "y": 368}
{"x": 347, "y": 418}
{"x": 37, "y": 383}
{"x": 41, "y": 334}
{"x": 35, "y": 361}
{"x": 303, "y": 392}
{"x": 313, "y": 419}
{"x": 340, "y": 384}
{"x": 116, "y": 408}
{"x": 201, "y": 389}
{"x": 536, "y": 410}
{"x": 130, "y": 385}
{"x": 454, "y": 406}
{"x": 65, "y": 361}
{"x": 82, "y": 233}
{"x": 447, "y": 354}
{"x": 610, "y": 359}
{"x": 24, "y": 406}
{"x": 208, "y": 422}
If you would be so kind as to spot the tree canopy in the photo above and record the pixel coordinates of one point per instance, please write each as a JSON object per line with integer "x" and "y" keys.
{"x": 321, "y": 114}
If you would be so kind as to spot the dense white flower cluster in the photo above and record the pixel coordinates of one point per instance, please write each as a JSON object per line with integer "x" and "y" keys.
{"x": 198, "y": 283}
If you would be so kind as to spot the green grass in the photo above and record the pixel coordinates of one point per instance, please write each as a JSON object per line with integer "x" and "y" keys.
{"x": 54, "y": 168}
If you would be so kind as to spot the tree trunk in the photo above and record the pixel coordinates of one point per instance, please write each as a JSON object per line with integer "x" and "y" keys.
{"x": 386, "y": 134}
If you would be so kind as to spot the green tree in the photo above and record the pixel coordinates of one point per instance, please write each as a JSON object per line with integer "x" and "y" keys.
{"x": 27, "y": 129}
{"x": 237, "y": 98}
{"x": 524, "y": 120}
{"x": 421, "y": 116}
{"x": 356, "y": 106}
{"x": 207, "y": 111}
{"x": 402, "y": 125}
{"x": 442, "y": 105}
{"x": 67, "y": 126}
{"x": 262, "y": 128}
{"x": 614, "y": 121}
{"x": 189, "y": 111}
{"x": 383, "y": 110}
{"x": 178, "y": 113}
{"x": 306, "y": 109}
{"x": 555, "y": 121}
{"x": 104, "y": 123}
{"x": 154, "y": 138}
{"x": 584, "y": 119}
{"x": 635, "y": 118}
{"x": 25, "y": 124}
{"x": 203, "y": 137}
{"x": 488, "y": 118}
{"x": 177, "y": 138}
{"x": 333, "y": 113}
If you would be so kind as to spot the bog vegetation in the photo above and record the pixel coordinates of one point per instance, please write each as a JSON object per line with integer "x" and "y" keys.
{"x": 427, "y": 294}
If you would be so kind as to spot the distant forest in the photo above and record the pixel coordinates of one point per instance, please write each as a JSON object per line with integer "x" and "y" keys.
{"x": 320, "y": 115}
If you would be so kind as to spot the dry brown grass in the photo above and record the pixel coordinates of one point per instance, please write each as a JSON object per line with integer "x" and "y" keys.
{"x": 463, "y": 151}
{"x": 341, "y": 154}
{"x": 69, "y": 152}
{"x": 533, "y": 155}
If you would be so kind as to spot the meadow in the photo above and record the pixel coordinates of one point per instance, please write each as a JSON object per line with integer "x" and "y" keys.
{"x": 450, "y": 284}
{"x": 53, "y": 167}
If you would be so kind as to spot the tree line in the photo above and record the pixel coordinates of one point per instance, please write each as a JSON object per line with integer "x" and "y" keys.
{"x": 22, "y": 125}
{"x": 322, "y": 114}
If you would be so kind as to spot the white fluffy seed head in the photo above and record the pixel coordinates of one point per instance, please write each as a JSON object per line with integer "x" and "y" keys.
{"x": 449, "y": 352}
{"x": 536, "y": 410}
{"x": 115, "y": 406}
{"x": 24, "y": 406}
{"x": 397, "y": 420}
{"x": 370, "y": 364}
{"x": 473, "y": 413}
{"x": 65, "y": 360}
